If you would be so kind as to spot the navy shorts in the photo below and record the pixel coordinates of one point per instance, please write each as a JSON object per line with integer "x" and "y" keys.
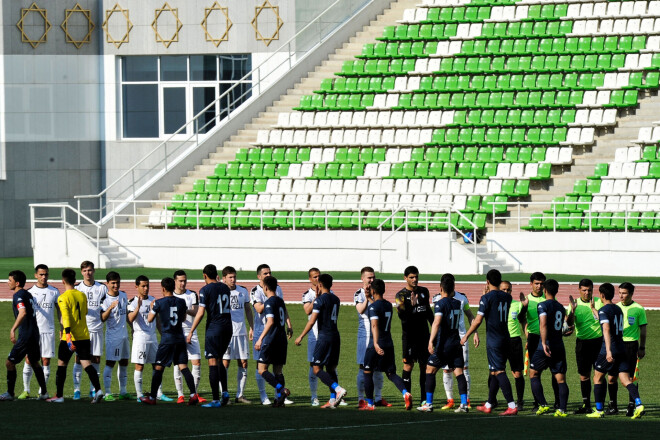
{"x": 556, "y": 363}
{"x": 216, "y": 342}
{"x": 586, "y": 353}
{"x": 516, "y": 354}
{"x": 25, "y": 347}
{"x": 452, "y": 358}
{"x": 83, "y": 351}
{"x": 497, "y": 357}
{"x": 631, "y": 348}
{"x": 415, "y": 348}
{"x": 169, "y": 354}
{"x": 326, "y": 351}
{"x": 273, "y": 352}
{"x": 620, "y": 364}
{"x": 374, "y": 362}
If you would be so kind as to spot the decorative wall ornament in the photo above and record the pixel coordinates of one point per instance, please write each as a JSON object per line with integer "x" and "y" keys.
{"x": 87, "y": 13}
{"x": 154, "y": 25}
{"x": 255, "y": 23}
{"x": 21, "y": 25}
{"x": 106, "y": 26}
{"x": 228, "y": 25}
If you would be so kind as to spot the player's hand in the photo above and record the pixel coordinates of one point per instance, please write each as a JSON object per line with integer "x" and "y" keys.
{"x": 379, "y": 350}
{"x": 69, "y": 343}
{"x": 298, "y": 340}
{"x": 486, "y": 289}
{"x": 641, "y": 353}
{"x": 546, "y": 350}
{"x": 189, "y": 338}
{"x": 12, "y": 336}
{"x": 139, "y": 302}
{"x": 250, "y": 335}
{"x": 257, "y": 345}
{"x": 114, "y": 304}
{"x": 431, "y": 348}
{"x": 573, "y": 302}
{"x": 289, "y": 332}
{"x": 413, "y": 299}
{"x": 463, "y": 340}
{"x": 524, "y": 300}
{"x": 476, "y": 340}
{"x": 609, "y": 357}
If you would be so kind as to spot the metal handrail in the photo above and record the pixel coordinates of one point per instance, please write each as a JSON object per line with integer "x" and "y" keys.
{"x": 163, "y": 146}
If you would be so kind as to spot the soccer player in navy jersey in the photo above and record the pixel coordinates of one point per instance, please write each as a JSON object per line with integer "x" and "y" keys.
{"x": 444, "y": 344}
{"x": 380, "y": 352}
{"x": 171, "y": 312}
{"x": 550, "y": 353}
{"x": 494, "y": 307}
{"x": 325, "y": 312}
{"x": 272, "y": 343}
{"x": 612, "y": 357}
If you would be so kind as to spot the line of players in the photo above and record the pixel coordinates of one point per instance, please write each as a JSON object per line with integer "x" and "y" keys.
{"x": 414, "y": 308}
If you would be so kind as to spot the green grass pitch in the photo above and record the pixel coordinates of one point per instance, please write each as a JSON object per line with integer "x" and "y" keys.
{"x": 131, "y": 420}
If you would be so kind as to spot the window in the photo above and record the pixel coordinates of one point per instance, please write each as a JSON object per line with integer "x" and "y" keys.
{"x": 161, "y": 93}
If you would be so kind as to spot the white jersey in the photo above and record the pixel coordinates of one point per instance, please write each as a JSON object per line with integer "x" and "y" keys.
{"x": 308, "y": 297}
{"x": 257, "y": 296}
{"x": 95, "y": 296}
{"x": 45, "y": 300}
{"x": 191, "y": 299}
{"x": 239, "y": 296}
{"x": 465, "y": 305}
{"x": 363, "y": 320}
{"x": 116, "y": 323}
{"x": 141, "y": 325}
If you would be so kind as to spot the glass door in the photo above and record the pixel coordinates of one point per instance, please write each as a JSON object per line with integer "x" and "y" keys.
{"x": 202, "y": 97}
{"x": 173, "y": 110}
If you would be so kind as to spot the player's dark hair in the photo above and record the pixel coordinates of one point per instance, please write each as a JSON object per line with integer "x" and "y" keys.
{"x": 628, "y": 286}
{"x": 141, "y": 278}
{"x": 313, "y": 269}
{"x": 211, "y": 271}
{"x": 19, "y": 277}
{"x": 228, "y": 270}
{"x": 179, "y": 273}
{"x": 367, "y": 269}
{"x": 40, "y": 267}
{"x": 262, "y": 267}
{"x": 508, "y": 282}
{"x": 271, "y": 283}
{"x": 326, "y": 280}
{"x": 586, "y": 282}
{"x": 494, "y": 277}
{"x": 551, "y": 286}
{"x": 378, "y": 287}
{"x": 85, "y": 264}
{"x": 112, "y": 276}
{"x": 448, "y": 283}
{"x": 167, "y": 284}
{"x": 537, "y": 276}
{"x": 607, "y": 290}
{"x": 69, "y": 276}
{"x": 410, "y": 270}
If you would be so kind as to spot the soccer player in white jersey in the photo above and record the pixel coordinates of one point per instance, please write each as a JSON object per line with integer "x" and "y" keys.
{"x": 308, "y": 298}
{"x": 362, "y": 300}
{"x": 95, "y": 293}
{"x": 238, "y": 345}
{"x": 45, "y": 303}
{"x": 145, "y": 341}
{"x": 114, "y": 309}
{"x": 194, "y": 351}
{"x": 258, "y": 298}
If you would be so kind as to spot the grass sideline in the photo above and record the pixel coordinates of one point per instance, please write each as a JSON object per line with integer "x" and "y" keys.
{"x": 26, "y": 264}
{"x": 130, "y": 420}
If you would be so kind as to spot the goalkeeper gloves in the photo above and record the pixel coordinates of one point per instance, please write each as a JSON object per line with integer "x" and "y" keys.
{"x": 69, "y": 342}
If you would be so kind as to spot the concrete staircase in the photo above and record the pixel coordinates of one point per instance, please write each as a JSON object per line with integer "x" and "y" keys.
{"x": 115, "y": 256}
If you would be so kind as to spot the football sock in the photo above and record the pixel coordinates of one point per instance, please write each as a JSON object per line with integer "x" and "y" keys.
{"x": 261, "y": 384}
{"x": 97, "y": 367}
{"x": 369, "y": 387}
{"x": 60, "y": 377}
{"x": 313, "y": 383}
{"x": 405, "y": 376}
{"x": 270, "y": 378}
{"x": 215, "y": 381}
{"x": 241, "y": 378}
{"x": 327, "y": 380}
{"x": 505, "y": 385}
{"x": 39, "y": 375}
{"x": 612, "y": 389}
{"x": 197, "y": 374}
{"x": 634, "y": 393}
{"x": 27, "y": 376}
{"x": 156, "y": 380}
{"x": 222, "y": 373}
{"x": 520, "y": 388}
{"x": 422, "y": 380}
{"x": 77, "y": 372}
{"x": 378, "y": 385}
{"x": 466, "y": 372}
{"x": 493, "y": 387}
{"x": 448, "y": 382}
{"x": 537, "y": 390}
{"x": 46, "y": 370}
{"x": 137, "y": 381}
{"x": 360, "y": 384}
{"x": 398, "y": 382}
{"x": 585, "y": 388}
{"x": 122, "y": 376}
{"x": 429, "y": 388}
{"x": 93, "y": 375}
{"x": 599, "y": 395}
{"x": 178, "y": 381}
{"x": 107, "y": 379}
{"x": 462, "y": 388}
{"x": 631, "y": 399}
{"x": 280, "y": 379}
{"x": 11, "y": 381}
{"x": 188, "y": 377}
{"x": 563, "y": 396}
{"x": 555, "y": 388}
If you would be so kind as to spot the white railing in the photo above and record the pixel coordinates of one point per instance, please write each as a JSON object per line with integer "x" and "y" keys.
{"x": 137, "y": 179}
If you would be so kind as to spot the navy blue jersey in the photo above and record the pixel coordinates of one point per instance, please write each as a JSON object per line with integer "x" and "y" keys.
{"x": 326, "y": 307}
{"x": 274, "y": 308}
{"x": 451, "y": 311}
{"x": 381, "y": 311}
{"x": 554, "y": 314}
{"x": 172, "y": 312}
{"x": 494, "y": 307}
{"x": 28, "y": 328}
{"x": 612, "y": 314}
{"x": 216, "y": 298}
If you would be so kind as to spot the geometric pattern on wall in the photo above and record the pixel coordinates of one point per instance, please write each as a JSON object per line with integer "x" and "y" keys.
{"x": 255, "y": 23}
{"x": 205, "y": 23}
{"x": 87, "y": 13}
{"x": 106, "y": 26}
{"x": 25, "y": 12}
{"x": 154, "y": 25}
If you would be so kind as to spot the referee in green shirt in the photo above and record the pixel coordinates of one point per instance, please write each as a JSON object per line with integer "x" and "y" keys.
{"x": 517, "y": 315}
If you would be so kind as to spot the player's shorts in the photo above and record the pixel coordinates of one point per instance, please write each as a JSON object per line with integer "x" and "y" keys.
{"x": 533, "y": 341}
{"x": 466, "y": 357}
{"x": 273, "y": 352}
{"x": 144, "y": 350}
{"x": 169, "y": 354}
{"x": 362, "y": 343}
{"x": 516, "y": 354}
{"x": 374, "y": 362}
{"x": 497, "y": 357}
{"x": 217, "y": 341}
{"x": 193, "y": 349}
{"x": 619, "y": 365}
{"x": 326, "y": 351}
{"x": 447, "y": 359}
{"x": 96, "y": 343}
{"x": 630, "y": 349}
{"x": 47, "y": 345}
{"x": 117, "y": 349}
{"x": 415, "y": 348}
{"x": 311, "y": 343}
{"x": 237, "y": 349}
{"x": 586, "y": 353}
{"x": 25, "y": 347}
{"x": 556, "y": 363}
{"x": 82, "y": 351}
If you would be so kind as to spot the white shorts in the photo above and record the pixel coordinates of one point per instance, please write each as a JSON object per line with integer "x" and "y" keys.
{"x": 194, "y": 351}
{"x": 362, "y": 343}
{"x": 466, "y": 356}
{"x": 311, "y": 344}
{"x": 237, "y": 349}
{"x": 96, "y": 343}
{"x": 144, "y": 351}
{"x": 47, "y": 345}
{"x": 117, "y": 349}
